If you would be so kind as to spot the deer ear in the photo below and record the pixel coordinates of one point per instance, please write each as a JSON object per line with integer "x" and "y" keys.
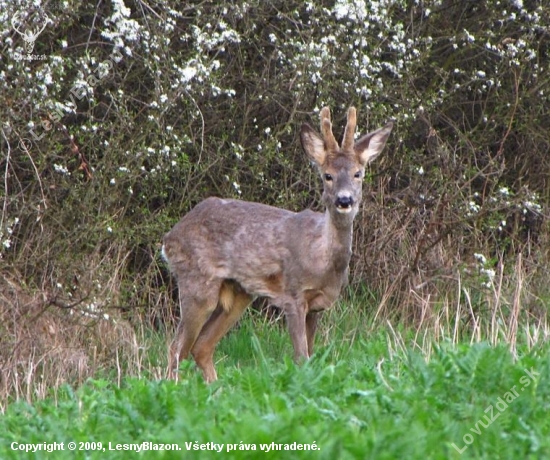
{"x": 313, "y": 144}
{"x": 368, "y": 147}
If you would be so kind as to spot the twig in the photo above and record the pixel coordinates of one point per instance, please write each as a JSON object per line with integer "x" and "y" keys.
{"x": 92, "y": 27}
{"x": 514, "y": 109}
{"x": 23, "y": 146}
{"x": 378, "y": 368}
{"x": 5, "y": 204}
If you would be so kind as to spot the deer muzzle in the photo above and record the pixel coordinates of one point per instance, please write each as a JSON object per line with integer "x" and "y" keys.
{"x": 344, "y": 203}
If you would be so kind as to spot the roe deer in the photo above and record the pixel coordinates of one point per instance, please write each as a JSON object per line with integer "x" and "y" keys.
{"x": 225, "y": 251}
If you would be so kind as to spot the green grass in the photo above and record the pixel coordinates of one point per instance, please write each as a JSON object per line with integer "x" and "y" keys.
{"x": 359, "y": 397}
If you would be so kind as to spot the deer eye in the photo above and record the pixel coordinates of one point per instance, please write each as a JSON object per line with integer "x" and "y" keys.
{"x": 357, "y": 175}
{"x": 328, "y": 177}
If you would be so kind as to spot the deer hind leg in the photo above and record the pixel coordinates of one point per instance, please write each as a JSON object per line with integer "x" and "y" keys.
{"x": 233, "y": 302}
{"x": 197, "y": 302}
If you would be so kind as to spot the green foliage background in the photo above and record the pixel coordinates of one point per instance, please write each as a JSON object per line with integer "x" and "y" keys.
{"x": 368, "y": 402}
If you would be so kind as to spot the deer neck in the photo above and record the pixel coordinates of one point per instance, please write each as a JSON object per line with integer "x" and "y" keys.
{"x": 339, "y": 230}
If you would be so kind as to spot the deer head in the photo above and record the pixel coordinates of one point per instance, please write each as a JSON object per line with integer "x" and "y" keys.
{"x": 342, "y": 168}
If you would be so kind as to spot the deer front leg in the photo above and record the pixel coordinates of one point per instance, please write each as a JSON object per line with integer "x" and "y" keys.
{"x": 311, "y": 327}
{"x": 296, "y": 318}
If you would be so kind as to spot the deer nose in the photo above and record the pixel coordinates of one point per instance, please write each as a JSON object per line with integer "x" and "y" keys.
{"x": 344, "y": 201}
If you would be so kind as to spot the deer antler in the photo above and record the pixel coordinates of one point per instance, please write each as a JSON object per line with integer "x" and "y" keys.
{"x": 347, "y": 143}
{"x": 326, "y": 130}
